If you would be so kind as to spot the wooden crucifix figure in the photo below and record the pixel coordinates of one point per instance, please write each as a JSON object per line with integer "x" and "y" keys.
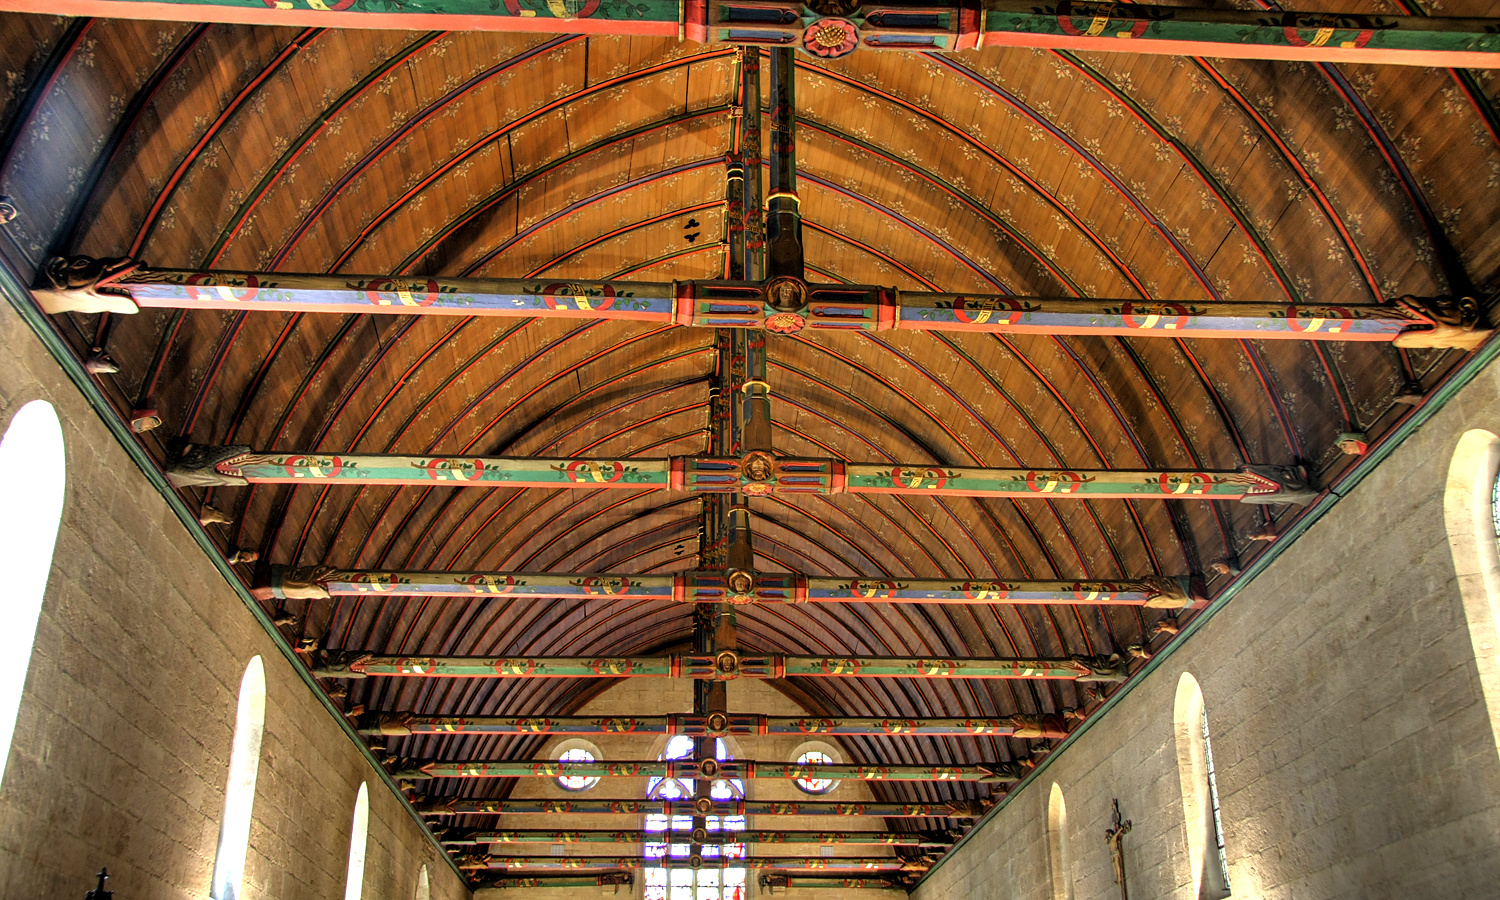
{"x": 1115, "y": 835}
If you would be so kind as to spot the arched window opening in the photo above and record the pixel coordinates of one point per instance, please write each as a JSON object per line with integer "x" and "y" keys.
{"x": 1200, "y": 793}
{"x": 1471, "y": 513}
{"x": 1058, "y": 857}
{"x": 576, "y": 750}
{"x": 33, "y": 482}
{"x": 815, "y": 785}
{"x": 359, "y": 833}
{"x": 816, "y": 753}
{"x": 707, "y": 883}
{"x": 239, "y": 793}
{"x": 424, "y": 886}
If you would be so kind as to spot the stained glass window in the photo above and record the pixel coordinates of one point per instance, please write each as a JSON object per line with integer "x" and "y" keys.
{"x": 815, "y": 785}
{"x": 1495, "y": 506}
{"x": 663, "y": 883}
{"x": 576, "y": 782}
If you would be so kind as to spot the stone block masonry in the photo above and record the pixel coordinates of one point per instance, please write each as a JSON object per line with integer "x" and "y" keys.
{"x": 121, "y": 750}
{"x": 1352, "y": 741}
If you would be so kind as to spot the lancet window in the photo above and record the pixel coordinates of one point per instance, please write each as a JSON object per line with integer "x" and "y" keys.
{"x": 359, "y": 834}
{"x": 708, "y": 883}
{"x": 1059, "y": 861}
{"x": 1471, "y": 513}
{"x": 1200, "y": 794}
{"x": 32, "y": 485}
{"x": 239, "y": 793}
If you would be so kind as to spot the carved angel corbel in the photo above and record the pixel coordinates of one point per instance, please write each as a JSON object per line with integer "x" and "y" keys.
{"x": 1004, "y": 771}
{"x": 386, "y": 724}
{"x": 1171, "y": 593}
{"x": 472, "y": 861}
{"x": 972, "y": 809}
{"x": 1038, "y": 726}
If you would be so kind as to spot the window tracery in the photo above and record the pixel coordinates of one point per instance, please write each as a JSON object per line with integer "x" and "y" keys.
{"x": 708, "y": 883}
{"x": 815, "y": 785}
{"x": 576, "y": 782}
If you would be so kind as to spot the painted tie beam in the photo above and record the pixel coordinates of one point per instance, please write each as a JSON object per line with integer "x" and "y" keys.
{"x": 833, "y": 29}
{"x": 738, "y": 586}
{"x": 711, "y": 769}
{"x": 756, "y": 473}
{"x": 560, "y": 881}
{"x": 708, "y": 838}
{"x": 815, "y": 863}
{"x": 466, "y": 806}
{"x": 1022, "y": 725}
{"x": 726, "y": 666}
{"x": 785, "y": 304}
{"x": 770, "y": 882}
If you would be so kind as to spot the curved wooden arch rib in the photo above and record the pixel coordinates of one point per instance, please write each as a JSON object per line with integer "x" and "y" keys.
{"x": 442, "y": 104}
{"x": 1220, "y": 192}
{"x": 355, "y": 171}
{"x": 304, "y": 39}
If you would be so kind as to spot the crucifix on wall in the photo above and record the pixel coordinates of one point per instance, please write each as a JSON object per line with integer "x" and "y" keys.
{"x": 1115, "y": 836}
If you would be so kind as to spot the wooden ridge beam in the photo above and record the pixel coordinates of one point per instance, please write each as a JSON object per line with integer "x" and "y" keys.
{"x": 841, "y": 28}
{"x": 1021, "y": 725}
{"x": 707, "y": 769}
{"x": 784, "y": 304}
{"x": 714, "y": 838}
{"x": 469, "y": 806}
{"x": 754, "y": 473}
{"x": 737, "y": 586}
{"x": 727, "y": 666}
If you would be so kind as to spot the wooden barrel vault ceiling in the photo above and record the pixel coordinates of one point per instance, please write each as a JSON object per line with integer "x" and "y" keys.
{"x": 1004, "y": 171}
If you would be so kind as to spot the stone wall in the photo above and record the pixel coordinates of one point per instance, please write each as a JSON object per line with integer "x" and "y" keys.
{"x": 1350, "y": 732}
{"x": 121, "y": 750}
